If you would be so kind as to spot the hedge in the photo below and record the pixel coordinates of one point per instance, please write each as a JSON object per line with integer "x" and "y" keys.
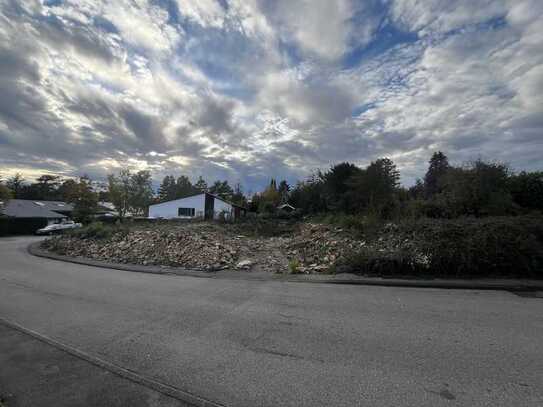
{"x": 463, "y": 247}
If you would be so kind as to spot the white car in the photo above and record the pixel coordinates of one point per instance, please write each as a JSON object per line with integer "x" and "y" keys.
{"x": 58, "y": 228}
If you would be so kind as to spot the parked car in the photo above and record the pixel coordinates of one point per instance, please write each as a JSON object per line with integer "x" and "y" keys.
{"x": 58, "y": 228}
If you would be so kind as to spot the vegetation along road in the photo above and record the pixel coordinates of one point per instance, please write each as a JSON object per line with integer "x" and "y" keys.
{"x": 251, "y": 343}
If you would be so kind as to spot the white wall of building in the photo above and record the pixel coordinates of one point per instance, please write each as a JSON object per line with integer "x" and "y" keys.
{"x": 169, "y": 209}
{"x": 221, "y": 206}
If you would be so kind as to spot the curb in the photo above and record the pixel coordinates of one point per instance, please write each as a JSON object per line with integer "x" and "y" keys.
{"x": 487, "y": 284}
{"x": 127, "y": 374}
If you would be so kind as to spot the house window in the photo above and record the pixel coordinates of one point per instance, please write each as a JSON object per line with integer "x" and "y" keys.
{"x": 185, "y": 212}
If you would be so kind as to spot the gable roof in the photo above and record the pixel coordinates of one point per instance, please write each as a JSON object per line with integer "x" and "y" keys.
{"x": 200, "y": 193}
{"x": 224, "y": 200}
{"x": 286, "y": 205}
{"x": 25, "y": 208}
{"x": 177, "y": 199}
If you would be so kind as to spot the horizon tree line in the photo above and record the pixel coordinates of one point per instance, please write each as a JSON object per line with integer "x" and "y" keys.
{"x": 477, "y": 188}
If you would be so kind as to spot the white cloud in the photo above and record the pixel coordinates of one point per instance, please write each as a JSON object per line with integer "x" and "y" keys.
{"x": 256, "y": 88}
{"x": 207, "y": 13}
{"x": 439, "y": 16}
{"x": 143, "y": 25}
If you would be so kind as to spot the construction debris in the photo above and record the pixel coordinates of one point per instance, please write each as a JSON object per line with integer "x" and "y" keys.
{"x": 314, "y": 248}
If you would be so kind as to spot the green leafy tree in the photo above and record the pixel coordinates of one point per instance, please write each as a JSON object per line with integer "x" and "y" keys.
{"x": 308, "y": 195}
{"x": 526, "y": 189}
{"x": 83, "y": 198}
{"x": 5, "y": 193}
{"x": 435, "y": 176}
{"x": 46, "y": 187}
{"x": 68, "y": 189}
{"x": 16, "y": 183}
{"x": 270, "y": 198}
{"x": 119, "y": 188}
{"x": 477, "y": 189}
{"x": 140, "y": 192}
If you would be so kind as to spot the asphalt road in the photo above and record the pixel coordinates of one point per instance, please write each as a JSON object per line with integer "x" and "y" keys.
{"x": 253, "y": 343}
{"x": 34, "y": 373}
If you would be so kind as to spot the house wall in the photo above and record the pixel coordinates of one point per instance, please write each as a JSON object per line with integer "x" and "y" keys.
{"x": 221, "y": 206}
{"x": 169, "y": 209}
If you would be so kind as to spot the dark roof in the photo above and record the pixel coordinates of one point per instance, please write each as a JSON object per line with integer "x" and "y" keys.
{"x": 24, "y": 208}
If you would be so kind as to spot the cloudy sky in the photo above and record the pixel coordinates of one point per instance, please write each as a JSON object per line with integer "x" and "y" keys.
{"x": 249, "y": 89}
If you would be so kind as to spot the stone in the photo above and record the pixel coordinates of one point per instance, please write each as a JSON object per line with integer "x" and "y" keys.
{"x": 246, "y": 263}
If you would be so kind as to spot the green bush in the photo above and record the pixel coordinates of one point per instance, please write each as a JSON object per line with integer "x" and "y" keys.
{"x": 462, "y": 247}
{"x": 371, "y": 261}
{"x": 365, "y": 225}
{"x": 294, "y": 266}
{"x": 98, "y": 230}
{"x": 497, "y": 246}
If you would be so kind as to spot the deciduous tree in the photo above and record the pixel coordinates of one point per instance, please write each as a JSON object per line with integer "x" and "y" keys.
{"x": 119, "y": 188}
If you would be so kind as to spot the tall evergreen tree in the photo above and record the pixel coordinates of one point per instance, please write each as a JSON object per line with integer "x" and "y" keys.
{"x": 336, "y": 188}
{"x": 283, "y": 189}
{"x": 238, "y": 197}
{"x": 201, "y": 185}
{"x": 167, "y": 189}
{"x": 375, "y": 187}
{"x": 222, "y": 189}
{"x": 183, "y": 187}
{"x": 435, "y": 176}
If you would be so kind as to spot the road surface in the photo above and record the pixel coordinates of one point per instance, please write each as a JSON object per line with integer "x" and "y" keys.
{"x": 254, "y": 343}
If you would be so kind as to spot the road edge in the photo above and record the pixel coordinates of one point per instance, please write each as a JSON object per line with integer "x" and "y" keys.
{"x": 124, "y": 373}
{"x": 519, "y": 285}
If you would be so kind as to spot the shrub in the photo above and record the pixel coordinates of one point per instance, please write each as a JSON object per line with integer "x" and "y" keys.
{"x": 97, "y": 230}
{"x": 498, "y": 246}
{"x": 367, "y": 225}
{"x": 294, "y": 266}
{"x": 462, "y": 247}
{"x": 372, "y": 261}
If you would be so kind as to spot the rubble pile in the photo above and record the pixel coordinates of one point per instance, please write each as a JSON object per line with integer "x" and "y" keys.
{"x": 317, "y": 247}
{"x": 309, "y": 248}
{"x": 194, "y": 246}
{"x": 201, "y": 251}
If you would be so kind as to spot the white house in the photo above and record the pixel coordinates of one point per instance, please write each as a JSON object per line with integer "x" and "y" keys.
{"x": 204, "y": 205}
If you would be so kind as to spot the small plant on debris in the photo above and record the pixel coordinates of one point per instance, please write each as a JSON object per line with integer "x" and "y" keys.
{"x": 294, "y": 266}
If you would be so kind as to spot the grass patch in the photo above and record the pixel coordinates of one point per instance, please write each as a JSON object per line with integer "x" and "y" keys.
{"x": 294, "y": 266}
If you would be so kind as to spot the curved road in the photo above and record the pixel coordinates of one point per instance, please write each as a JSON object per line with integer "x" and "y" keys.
{"x": 252, "y": 343}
